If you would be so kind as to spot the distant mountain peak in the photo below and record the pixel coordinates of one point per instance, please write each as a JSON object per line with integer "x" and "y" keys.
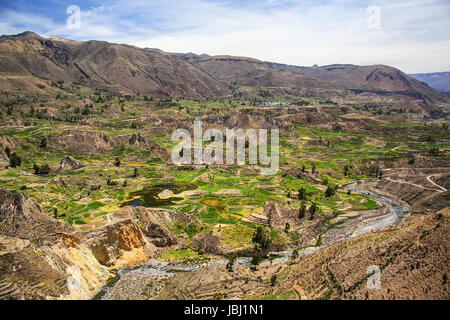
{"x": 25, "y": 34}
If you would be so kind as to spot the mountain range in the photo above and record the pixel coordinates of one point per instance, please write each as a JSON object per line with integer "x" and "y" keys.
{"x": 130, "y": 70}
{"x": 437, "y": 80}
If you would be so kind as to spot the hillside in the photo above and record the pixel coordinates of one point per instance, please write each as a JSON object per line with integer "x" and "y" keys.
{"x": 121, "y": 68}
{"x": 437, "y": 80}
{"x": 366, "y": 82}
{"x": 252, "y": 72}
{"x": 132, "y": 71}
{"x": 412, "y": 258}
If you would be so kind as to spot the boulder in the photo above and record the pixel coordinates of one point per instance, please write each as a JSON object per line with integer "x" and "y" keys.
{"x": 69, "y": 163}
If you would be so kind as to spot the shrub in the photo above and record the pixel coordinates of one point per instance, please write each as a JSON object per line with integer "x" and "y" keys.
{"x": 231, "y": 260}
{"x": 15, "y": 160}
{"x": 287, "y": 227}
{"x": 434, "y": 151}
{"x": 110, "y": 182}
{"x": 256, "y": 259}
{"x": 43, "y": 143}
{"x": 330, "y": 192}
{"x": 302, "y": 194}
{"x": 295, "y": 255}
{"x": 45, "y": 169}
{"x": 346, "y": 168}
{"x": 273, "y": 280}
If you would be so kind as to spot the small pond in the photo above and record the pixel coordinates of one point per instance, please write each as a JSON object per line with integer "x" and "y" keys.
{"x": 148, "y": 196}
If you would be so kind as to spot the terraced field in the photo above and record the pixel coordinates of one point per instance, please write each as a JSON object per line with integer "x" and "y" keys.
{"x": 123, "y": 145}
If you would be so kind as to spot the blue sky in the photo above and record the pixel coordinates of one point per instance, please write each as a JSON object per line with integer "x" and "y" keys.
{"x": 412, "y": 35}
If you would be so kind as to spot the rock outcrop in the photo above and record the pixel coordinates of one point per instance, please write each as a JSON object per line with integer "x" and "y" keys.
{"x": 119, "y": 243}
{"x": 94, "y": 141}
{"x": 5, "y": 141}
{"x": 208, "y": 243}
{"x": 155, "y": 224}
{"x": 69, "y": 163}
{"x": 130, "y": 237}
{"x": 43, "y": 258}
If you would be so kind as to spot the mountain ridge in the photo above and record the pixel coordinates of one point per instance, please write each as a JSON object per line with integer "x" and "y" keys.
{"x": 436, "y": 80}
{"x": 131, "y": 70}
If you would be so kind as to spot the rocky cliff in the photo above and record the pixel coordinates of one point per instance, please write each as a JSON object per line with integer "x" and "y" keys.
{"x": 43, "y": 258}
{"x": 94, "y": 141}
{"x": 131, "y": 236}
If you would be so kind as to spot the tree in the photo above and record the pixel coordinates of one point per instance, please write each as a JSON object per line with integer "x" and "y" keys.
{"x": 287, "y": 227}
{"x": 294, "y": 255}
{"x": 261, "y": 238}
{"x": 302, "y": 194}
{"x": 256, "y": 259}
{"x": 45, "y": 169}
{"x": 313, "y": 169}
{"x": 273, "y": 280}
{"x": 43, "y": 143}
{"x": 8, "y": 151}
{"x": 15, "y": 160}
{"x": 312, "y": 210}
{"x": 330, "y": 192}
{"x": 346, "y": 170}
{"x": 110, "y": 182}
{"x": 231, "y": 259}
{"x": 434, "y": 151}
{"x": 302, "y": 210}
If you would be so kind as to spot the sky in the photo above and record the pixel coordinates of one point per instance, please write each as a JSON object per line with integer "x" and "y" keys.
{"x": 412, "y": 35}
